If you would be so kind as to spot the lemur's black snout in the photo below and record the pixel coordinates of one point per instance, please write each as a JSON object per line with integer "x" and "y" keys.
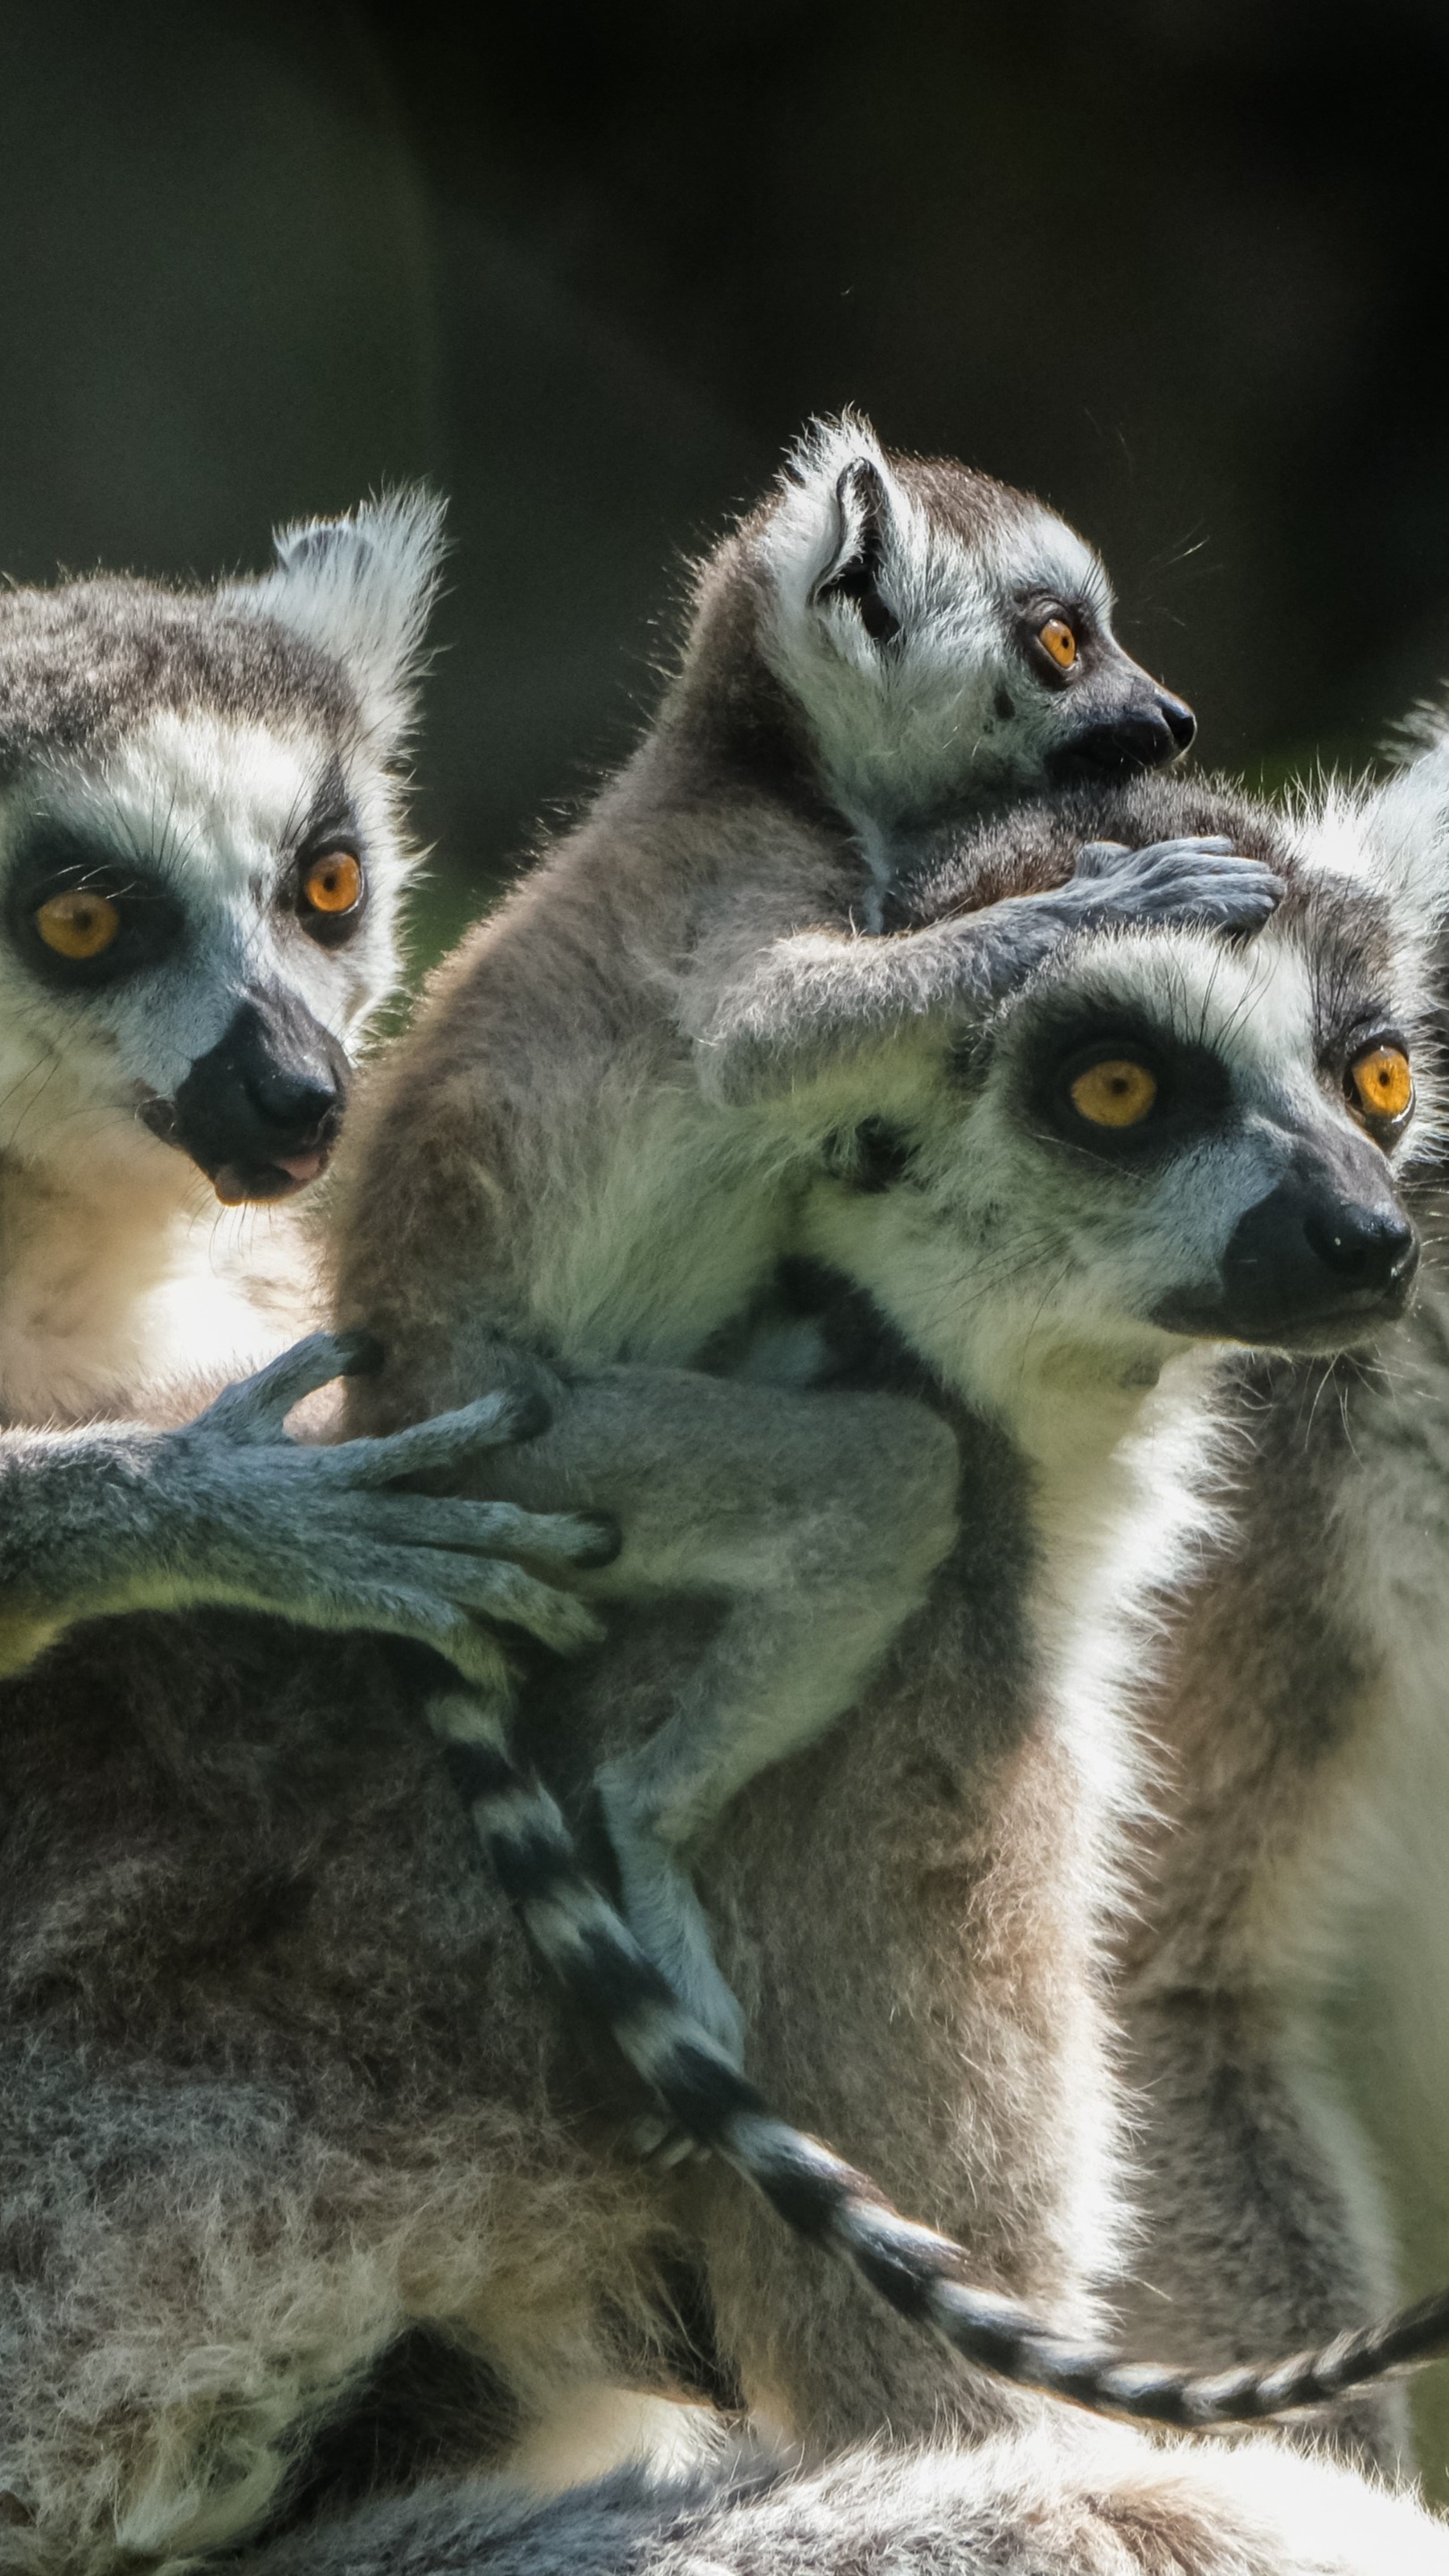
{"x": 1179, "y": 719}
{"x": 1365, "y": 1248}
{"x": 1310, "y": 1259}
{"x": 260, "y": 1112}
{"x": 1149, "y": 731}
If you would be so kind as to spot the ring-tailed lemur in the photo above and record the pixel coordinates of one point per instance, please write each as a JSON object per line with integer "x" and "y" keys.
{"x": 281, "y": 2088}
{"x": 633, "y": 1063}
{"x": 201, "y": 861}
{"x": 1283, "y": 1969}
{"x": 1225, "y": 1158}
{"x": 1204, "y": 1186}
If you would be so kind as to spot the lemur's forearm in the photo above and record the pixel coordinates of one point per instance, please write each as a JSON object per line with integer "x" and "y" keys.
{"x": 816, "y": 998}
{"x": 821, "y": 996}
{"x": 89, "y": 1521}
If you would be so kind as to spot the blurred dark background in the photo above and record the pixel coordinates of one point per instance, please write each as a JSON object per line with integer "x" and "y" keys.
{"x": 1177, "y": 264}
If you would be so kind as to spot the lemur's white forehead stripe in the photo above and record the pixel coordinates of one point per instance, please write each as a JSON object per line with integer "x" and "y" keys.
{"x": 1043, "y": 553}
{"x": 1255, "y": 1006}
{"x": 200, "y": 802}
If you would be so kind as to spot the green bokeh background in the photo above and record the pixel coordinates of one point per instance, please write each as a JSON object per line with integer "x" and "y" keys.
{"x": 1177, "y": 266}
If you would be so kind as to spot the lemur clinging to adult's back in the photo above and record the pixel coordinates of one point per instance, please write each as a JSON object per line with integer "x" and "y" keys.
{"x": 202, "y": 856}
{"x": 629, "y": 1069}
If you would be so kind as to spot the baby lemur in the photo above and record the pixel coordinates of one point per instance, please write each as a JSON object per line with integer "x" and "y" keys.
{"x": 1147, "y": 1130}
{"x": 603, "y": 1125}
{"x": 202, "y": 857}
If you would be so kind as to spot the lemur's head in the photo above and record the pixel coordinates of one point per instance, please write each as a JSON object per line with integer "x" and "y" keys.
{"x": 1164, "y": 1136}
{"x": 946, "y": 640}
{"x": 201, "y": 851}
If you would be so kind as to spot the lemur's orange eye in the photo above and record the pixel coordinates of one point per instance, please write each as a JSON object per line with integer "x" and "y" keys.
{"x": 1058, "y": 639}
{"x": 78, "y": 924}
{"x": 333, "y": 883}
{"x": 1381, "y": 1084}
{"x": 1118, "y": 1092}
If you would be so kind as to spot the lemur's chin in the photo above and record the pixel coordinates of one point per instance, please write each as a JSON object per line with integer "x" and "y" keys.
{"x": 280, "y": 1180}
{"x": 1347, "y": 1326}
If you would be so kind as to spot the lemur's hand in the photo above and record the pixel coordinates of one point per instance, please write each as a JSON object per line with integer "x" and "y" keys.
{"x": 325, "y": 1536}
{"x": 1189, "y": 884}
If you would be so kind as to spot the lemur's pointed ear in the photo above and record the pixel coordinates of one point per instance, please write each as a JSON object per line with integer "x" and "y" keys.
{"x": 862, "y": 530}
{"x": 1408, "y": 819}
{"x": 361, "y": 588}
{"x": 839, "y": 526}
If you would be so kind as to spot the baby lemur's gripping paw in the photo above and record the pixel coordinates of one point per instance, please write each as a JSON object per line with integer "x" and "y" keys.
{"x": 327, "y": 1536}
{"x": 1190, "y": 885}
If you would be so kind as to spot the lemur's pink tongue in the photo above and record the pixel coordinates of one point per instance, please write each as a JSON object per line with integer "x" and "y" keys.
{"x": 276, "y": 1180}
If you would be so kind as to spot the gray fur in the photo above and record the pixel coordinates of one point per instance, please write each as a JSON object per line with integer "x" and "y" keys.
{"x": 1070, "y": 2501}
{"x": 95, "y": 659}
{"x": 589, "y": 1950}
{"x": 283, "y": 2085}
{"x": 602, "y": 1131}
{"x": 1290, "y": 1853}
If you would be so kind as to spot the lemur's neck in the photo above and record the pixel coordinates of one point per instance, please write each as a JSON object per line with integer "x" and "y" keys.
{"x": 1114, "y": 1458}
{"x": 115, "y": 1284}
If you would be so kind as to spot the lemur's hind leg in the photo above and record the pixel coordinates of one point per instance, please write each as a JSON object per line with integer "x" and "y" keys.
{"x": 1258, "y": 2224}
{"x": 1066, "y": 2499}
{"x": 814, "y": 1521}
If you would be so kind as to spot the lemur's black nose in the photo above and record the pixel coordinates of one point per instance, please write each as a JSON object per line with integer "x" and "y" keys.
{"x": 1146, "y": 734}
{"x": 297, "y": 1099}
{"x": 261, "y": 1110}
{"x": 1179, "y": 719}
{"x": 1370, "y": 1248}
{"x": 1316, "y": 1253}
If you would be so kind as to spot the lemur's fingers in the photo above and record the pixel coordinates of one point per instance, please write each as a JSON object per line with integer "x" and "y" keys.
{"x": 1234, "y": 894}
{"x": 446, "y": 1521}
{"x": 494, "y": 1587}
{"x": 447, "y": 1440}
{"x": 438, "y": 1599}
{"x": 255, "y": 1409}
{"x": 1104, "y": 858}
{"x": 1195, "y": 883}
{"x": 474, "y": 1652}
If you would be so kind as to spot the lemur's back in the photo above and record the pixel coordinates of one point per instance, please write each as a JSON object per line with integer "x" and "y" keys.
{"x": 536, "y": 1159}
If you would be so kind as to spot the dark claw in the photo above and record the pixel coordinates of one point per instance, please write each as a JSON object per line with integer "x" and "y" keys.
{"x": 528, "y": 1416}
{"x": 608, "y": 1544}
{"x": 359, "y": 1354}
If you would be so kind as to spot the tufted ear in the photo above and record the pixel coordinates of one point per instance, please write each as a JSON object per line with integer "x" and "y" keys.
{"x": 1408, "y": 818}
{"x": 839, "y": 535}
{"x": 361, "y": 588}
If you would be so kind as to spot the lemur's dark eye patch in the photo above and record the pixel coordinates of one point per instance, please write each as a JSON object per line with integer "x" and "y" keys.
{"x": 83, "y": 915}
{"x": 1123, "y": 1091}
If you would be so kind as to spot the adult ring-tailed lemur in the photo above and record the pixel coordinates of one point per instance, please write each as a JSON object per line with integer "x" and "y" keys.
{"x": 202, "y": 857}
